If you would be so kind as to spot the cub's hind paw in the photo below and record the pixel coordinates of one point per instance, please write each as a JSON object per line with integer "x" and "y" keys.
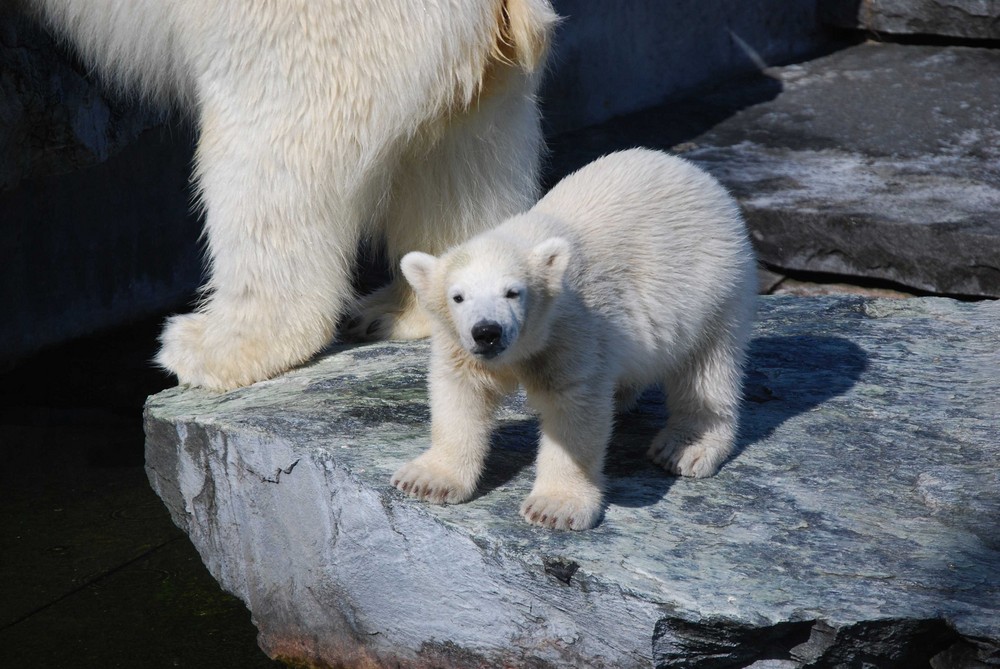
{"x": 685, "y": 455}
{"x": 391, "y": 312}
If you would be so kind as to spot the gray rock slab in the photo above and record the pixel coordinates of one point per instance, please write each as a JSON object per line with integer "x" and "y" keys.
{"x": 858, "y": 522}
{"x": 971, "y": 19}
{"x": 876, "y": 161}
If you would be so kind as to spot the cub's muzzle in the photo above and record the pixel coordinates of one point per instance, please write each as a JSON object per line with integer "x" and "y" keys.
{"x": 487, "y": 336}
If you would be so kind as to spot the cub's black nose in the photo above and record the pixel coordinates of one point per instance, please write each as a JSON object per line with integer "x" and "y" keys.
{"x": 486, "y": 334}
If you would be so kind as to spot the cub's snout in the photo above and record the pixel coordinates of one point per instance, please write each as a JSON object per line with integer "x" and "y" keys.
{"x": 488, "y": 338}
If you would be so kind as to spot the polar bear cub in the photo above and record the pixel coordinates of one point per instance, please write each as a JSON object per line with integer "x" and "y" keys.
{"x": 636, "y": 270}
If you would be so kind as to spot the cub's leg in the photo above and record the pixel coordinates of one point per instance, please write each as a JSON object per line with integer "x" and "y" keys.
{"x": 703, "y": 399}
{"x": 463, "y": 401}
{"x": 569, "y": 481}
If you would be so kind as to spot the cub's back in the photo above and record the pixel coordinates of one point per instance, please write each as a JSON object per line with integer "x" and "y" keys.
{"x": 642, "y": 217}
{"x": 642, "y": 192}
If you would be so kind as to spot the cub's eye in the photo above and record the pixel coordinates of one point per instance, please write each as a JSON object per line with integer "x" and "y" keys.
{"x": 457, "y": 299}
{"x": 513, "y": 294}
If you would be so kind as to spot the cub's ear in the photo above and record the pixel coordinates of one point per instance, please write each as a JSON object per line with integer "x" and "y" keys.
{"x": 550, "y": 259}
{"x": 418, "y": 268}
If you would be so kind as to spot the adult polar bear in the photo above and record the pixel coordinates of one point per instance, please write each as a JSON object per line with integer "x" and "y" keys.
{"x": 321, "y": 123}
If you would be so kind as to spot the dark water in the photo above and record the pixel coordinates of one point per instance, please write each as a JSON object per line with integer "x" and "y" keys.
{"x": 93, "y": 572}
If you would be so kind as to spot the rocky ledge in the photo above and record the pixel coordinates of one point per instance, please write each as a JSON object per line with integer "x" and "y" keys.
{"x": 879, "y": 160}
{"x": 858, "y": 524}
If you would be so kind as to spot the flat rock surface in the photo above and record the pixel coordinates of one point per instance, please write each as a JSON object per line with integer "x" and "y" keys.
{"x": 857, "y": 522}
{"x": 878, "y": 160}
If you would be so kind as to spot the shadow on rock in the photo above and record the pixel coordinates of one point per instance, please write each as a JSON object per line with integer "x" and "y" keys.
{"x": 512, "y": 448}
{"x": 786, "y": 376}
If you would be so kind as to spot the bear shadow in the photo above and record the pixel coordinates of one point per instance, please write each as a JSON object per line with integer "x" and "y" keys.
{"x": 785, "y": 376}
{"x": 513, "y": 447}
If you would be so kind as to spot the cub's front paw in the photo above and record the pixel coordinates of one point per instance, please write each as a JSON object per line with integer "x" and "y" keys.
{"x": 432, "y": 482}
{"x": 560, "y": 512}
{"x": 688, "y": 455}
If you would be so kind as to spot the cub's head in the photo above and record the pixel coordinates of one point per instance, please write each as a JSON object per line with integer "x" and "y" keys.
{"x": 493, "y": 296}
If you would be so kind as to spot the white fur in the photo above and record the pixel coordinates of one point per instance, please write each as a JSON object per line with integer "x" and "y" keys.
{"x": 636, "y": 270}
{"x": 322, "y": 123}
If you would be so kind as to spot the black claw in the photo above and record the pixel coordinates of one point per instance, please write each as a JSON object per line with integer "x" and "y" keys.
{"x": 373, "y": 327}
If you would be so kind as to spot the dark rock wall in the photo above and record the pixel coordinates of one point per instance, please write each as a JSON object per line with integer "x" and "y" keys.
{"x": 53, "y": 118}
{"x": 96, "y": 226}
{"x": 616, "y": 57}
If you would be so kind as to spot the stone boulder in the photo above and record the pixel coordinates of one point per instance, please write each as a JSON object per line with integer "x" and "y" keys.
{"x": 857, "y": 525}
{"x": 969, "y": 19}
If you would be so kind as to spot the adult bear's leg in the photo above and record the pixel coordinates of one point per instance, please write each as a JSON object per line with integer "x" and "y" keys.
{"x": 282, "y": 233}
